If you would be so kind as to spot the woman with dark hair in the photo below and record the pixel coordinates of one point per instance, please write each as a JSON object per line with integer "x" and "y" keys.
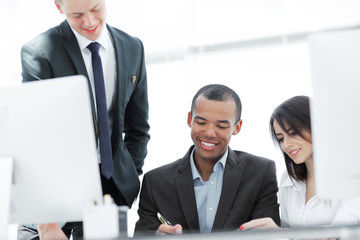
{"x": 290, "y": 128}
{"x": 292, "y": 119}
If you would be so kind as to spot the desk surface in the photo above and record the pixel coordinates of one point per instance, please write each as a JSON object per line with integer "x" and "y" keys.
{"x": 339, "y": 232}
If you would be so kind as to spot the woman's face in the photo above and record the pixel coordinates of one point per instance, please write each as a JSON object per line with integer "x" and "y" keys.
{"x": 296, "y": 147}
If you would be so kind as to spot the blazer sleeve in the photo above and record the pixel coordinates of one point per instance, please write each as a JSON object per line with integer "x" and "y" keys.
{"x": 148, "y": 222}
{"x": 34, "y": 65}
{"x": 267, "y": 202}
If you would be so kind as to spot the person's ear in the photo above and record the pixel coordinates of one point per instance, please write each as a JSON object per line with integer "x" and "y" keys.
{"x": 58, "y": 7}
{"x": 189, "y": 119}
{"x": 237, "y": 127}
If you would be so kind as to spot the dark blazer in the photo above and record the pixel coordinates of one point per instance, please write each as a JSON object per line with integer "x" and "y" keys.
{"x": 56, "y": 53}
{"x": 249, "y": 191}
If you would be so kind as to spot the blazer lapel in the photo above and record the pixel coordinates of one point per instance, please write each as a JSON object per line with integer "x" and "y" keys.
{"x": 185, "y": 187}
{"x": 72, "y": 48}
{"x": 231, "y": 182}
{"x": 121, "y": 68}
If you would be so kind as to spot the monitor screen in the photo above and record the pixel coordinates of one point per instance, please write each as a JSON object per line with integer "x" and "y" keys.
{"x": 335, "y": 111}
{"x": 47, "y": 128}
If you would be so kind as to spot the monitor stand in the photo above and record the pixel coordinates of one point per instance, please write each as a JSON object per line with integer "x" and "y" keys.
{"x": 6, "y": 174}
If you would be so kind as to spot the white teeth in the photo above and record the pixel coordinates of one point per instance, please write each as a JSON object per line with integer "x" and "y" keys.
{"x": 208, "y": 144}
{"x": 294, "y": 152}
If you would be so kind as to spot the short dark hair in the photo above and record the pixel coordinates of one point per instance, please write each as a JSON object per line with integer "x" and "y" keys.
{"x": 219, "y": 92}
{"x": 295, "y": 113}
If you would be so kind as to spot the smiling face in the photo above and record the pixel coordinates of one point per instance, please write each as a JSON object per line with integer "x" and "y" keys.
{"x": 87, "y": 17}
{"x": 212, "y": 125}
{"x": 299, "y": 149}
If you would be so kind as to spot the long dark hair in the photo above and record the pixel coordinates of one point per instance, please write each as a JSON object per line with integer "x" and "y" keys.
{"x": 295, "y": 113}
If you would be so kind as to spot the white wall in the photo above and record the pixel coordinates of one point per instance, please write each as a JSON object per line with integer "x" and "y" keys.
{"x": 263, "y": 76}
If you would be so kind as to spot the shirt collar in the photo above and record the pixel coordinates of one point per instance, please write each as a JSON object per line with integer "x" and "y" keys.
{"x": 289, "y": 182}
{"x": 103, "y": 39}
{"x": 195, "y": 172}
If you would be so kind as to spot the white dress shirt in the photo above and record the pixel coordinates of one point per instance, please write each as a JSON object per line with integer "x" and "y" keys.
{"x": 295, "y": 213}
{"x": 107, "y": 54}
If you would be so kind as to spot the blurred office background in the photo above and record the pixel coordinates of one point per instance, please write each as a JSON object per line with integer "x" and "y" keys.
{"x": 256, "y": 47}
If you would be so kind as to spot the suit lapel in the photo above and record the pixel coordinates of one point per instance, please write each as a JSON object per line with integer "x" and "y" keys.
{"x": 72, "y": 48}
{"x": 121, "y": 85}
{"x": 231, "y": 183}
{"x": 185, "y": 188}
{"x": 121, "y": 68}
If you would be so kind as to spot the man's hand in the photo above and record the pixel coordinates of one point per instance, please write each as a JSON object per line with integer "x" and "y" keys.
{"x": 51, "y": 231}
{"x": 260, "y": 223}
{"x": 164, "y": 229}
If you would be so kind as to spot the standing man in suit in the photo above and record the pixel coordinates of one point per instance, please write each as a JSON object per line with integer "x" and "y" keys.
{"x": 64, "y": 51}
{"x": 212, "y": 188}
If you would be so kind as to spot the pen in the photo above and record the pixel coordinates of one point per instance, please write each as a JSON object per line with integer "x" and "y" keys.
{"x": 163, "y": 220}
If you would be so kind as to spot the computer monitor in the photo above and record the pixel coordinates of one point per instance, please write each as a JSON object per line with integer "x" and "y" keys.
{"x": 6, "y": 169}
{"x": 335, "y": 111}
{"x": 47, "y": 128}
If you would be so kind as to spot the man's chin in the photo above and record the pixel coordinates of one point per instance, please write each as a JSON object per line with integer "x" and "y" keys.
{"x": 91, "y": 37}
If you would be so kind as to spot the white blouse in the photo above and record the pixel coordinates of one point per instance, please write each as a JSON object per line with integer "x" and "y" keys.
{"x": 295, "y": 213}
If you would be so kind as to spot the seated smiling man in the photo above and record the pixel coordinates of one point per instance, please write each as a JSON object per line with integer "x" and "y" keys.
{"x": 212, "y": 188}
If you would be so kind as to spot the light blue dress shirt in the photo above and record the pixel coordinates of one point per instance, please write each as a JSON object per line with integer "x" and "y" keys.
{"x": 207, "y": 193}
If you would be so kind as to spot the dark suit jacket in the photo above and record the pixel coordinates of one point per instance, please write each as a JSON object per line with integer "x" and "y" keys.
{"x": 56, "y": 53}
{"x": 249, "y": 191}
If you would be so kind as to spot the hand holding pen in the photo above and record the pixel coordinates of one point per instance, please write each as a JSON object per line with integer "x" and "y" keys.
{"x": 163, "y": 220}
{"x": 166, "y": 227}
